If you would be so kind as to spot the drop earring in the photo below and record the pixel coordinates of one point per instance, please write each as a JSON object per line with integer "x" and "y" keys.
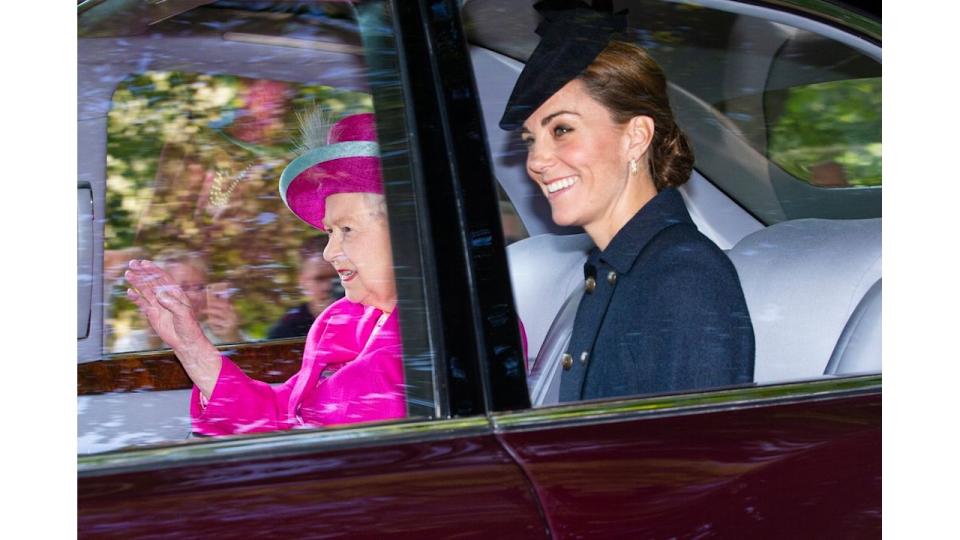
{"x": 634, "y": 166}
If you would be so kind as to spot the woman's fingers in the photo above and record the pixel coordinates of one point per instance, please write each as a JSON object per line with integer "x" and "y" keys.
{"x": 143, "y": 278}
{"x": 136, "y": 298}
{"x": 149, "y": 279}
{"x": 173, "y": 298}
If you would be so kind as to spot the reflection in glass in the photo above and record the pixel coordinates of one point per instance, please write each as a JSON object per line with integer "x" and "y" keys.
{"x": 192, "y": 167}
{"x": 828, "y": 134}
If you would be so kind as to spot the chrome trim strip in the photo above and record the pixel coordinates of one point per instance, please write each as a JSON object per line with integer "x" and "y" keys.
{"x": 709, "y": 401}
{"x": 837, "y": 14}
{"x": 220, "y": 450}
{"x": 286, "y": 443}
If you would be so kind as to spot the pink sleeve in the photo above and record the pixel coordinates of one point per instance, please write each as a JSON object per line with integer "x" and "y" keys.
{"x": 368, "y": 389}
{"x": 523, "y": 343}
{"x": 240, "y": 404}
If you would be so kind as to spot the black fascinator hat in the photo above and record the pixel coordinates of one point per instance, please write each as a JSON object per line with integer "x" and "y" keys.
{"x": 571, "y": 36}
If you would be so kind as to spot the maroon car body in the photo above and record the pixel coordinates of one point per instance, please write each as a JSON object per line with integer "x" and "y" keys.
{"x": 789, "y": 465}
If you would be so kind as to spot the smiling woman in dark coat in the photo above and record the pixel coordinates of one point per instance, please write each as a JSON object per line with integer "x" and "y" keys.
{"x": 663, "y": 309}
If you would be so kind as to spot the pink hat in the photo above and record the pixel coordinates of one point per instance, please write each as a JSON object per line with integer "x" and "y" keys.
{"x": 349, "y": 162}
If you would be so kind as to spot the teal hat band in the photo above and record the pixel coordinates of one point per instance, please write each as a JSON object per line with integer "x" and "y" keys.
{"x": 330, "y": 152}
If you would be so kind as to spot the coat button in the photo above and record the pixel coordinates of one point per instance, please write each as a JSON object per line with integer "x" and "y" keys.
{"x": 567, "y": 361}
{"x": 612, "y": 277}
{"x": 590, "y": 284}
{"x": 584, "y": 356}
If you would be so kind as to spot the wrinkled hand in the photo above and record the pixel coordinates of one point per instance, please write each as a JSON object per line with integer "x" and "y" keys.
{"x": 168, "y": 311}
{"x": 222, "y": 319}
{"x": 164, "y": 304}
{"x": 115, "y": 262}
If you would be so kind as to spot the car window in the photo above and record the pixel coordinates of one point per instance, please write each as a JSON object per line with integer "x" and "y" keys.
{"x": 513, "y": 229}
{"x": 784, "y": 117}
{"x": 827, "y": 134}
{"x": 192, "y": 167}
{"x": 799, "y": 109}
{"x": 187, "y": 120}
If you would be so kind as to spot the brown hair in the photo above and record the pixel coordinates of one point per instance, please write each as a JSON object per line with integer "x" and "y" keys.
{"x": 313, "y": 246}
{"x": 175, "y": 255}
{"x": 628, "y": 82}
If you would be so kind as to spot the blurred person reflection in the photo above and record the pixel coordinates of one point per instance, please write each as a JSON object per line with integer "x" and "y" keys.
{"x": 320, "y": 286}
{"x": 219, "y": 320}
{"x": 828, "y": 174}
{"x": 513, "y": 229}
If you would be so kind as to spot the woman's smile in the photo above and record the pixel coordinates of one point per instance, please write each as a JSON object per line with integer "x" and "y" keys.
{"x": 560, "y": 185}
{"x": 346, "y": 275}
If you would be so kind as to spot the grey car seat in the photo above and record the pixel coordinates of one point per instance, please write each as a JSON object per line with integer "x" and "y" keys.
{"x": 812, "y": 287}
{"x": 803, "y": 281}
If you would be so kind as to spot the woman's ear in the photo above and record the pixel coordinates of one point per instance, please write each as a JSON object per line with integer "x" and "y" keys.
{"x": 639, "y": 133}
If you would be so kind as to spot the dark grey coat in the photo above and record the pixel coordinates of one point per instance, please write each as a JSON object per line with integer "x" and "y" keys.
{"x": 666, "y": 314}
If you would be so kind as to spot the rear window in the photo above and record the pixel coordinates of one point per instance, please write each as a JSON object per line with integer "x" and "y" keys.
{"x": 827, "y": 134}
{"x": 192, "y": 166}
{"x": 782, "y": 119}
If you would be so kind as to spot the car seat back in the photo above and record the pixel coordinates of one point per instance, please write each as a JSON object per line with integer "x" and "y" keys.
{"x": 544, "y": 270}
{"x": 803, "y": 280}
{"x": 858, "y": 349}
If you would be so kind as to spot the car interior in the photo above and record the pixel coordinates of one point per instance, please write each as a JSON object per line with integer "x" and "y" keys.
{"x": 809, "y": 257}
{"x": 812, "y": 283}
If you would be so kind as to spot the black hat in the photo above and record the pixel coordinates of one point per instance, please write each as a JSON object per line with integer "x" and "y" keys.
{"x": 571, "y": 36}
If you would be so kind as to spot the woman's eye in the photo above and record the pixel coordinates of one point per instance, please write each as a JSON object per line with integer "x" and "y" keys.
{"x": 561, "y": 130}
{"x": 345, "y": 229}
{"x": 527, "y": 141}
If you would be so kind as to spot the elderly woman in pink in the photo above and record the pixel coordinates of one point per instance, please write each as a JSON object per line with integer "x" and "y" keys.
{"x": 351, "y": 370}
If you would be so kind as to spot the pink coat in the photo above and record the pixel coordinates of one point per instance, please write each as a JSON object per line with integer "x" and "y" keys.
{"x": 347, "y": 376}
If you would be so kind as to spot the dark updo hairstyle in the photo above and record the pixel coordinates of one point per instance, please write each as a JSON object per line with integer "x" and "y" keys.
{"x": 628, "y": 82}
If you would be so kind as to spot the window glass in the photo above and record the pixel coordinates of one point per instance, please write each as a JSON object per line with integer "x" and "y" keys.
{"x": 785, "y": 120}
{"x": 192, "y": 168}
{"x": 513, "y": 229}
{"x": 806, "y": 104}
{"x": 776, "y": 114}
{"x": 827, "y": 134}
{"x": 187, "y": 120}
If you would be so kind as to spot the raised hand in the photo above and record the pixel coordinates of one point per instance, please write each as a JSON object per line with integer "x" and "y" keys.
{"x": 169, "y": 312}
{"x": 164, "y": 304}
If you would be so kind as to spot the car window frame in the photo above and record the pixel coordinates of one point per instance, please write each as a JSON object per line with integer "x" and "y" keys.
{"x": 489, "y": 322}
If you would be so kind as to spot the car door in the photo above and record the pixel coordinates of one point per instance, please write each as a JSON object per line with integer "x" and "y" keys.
{"x": 791, "y": 461}
{"x": 442, "y": 472}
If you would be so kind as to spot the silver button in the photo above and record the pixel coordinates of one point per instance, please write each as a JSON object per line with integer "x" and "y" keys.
{"x": 584, "y": 356}
{"x": 612, "y": 278}
{"x": 567, "y": 361}
{"x": 590, "y": 284}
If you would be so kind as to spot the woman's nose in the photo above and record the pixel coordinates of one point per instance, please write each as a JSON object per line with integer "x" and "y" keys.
{"x": 538, "y": 159}
{"x": 332, "y": 251}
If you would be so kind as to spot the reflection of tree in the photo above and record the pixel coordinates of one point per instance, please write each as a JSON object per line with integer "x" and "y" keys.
{"x": 828, "y": 127}
{"x": 193, "y": 162}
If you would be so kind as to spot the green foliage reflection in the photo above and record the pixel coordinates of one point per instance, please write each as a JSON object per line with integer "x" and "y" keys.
{"x": 827, "y": 134}
{"x": 193, "y": 162}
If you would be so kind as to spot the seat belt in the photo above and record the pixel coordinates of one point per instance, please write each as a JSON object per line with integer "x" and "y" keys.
{"x": 544, "y": 380}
